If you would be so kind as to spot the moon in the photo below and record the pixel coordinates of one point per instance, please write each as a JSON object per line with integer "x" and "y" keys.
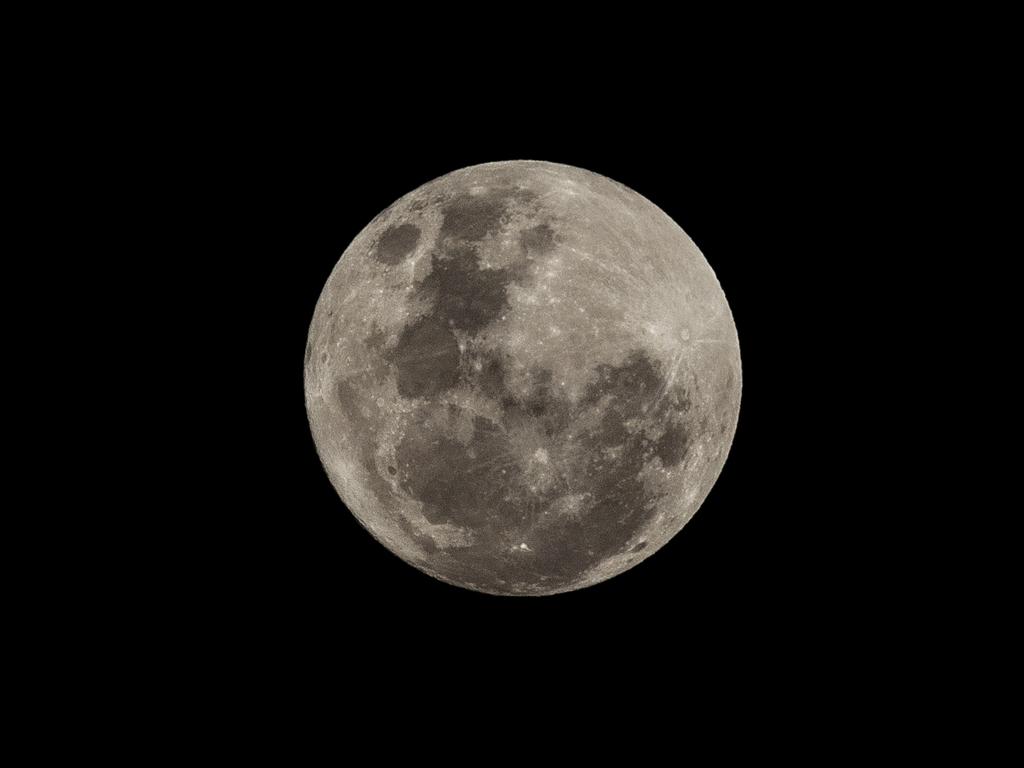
{"x": 522, "y": 378}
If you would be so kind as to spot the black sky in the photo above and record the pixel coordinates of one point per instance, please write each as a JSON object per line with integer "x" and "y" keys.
{"x": 764, "y": 564}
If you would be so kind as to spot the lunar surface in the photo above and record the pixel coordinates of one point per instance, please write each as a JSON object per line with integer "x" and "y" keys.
{"x": 522, "y": 378}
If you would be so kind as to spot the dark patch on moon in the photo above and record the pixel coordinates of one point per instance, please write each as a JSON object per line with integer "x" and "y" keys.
{"x": 490, "y": 379}
{"x": 463, "y": 297}
{"x": 348, "y": 399}
{"x": 463, "y": 294}
{"x": 538, "y": 239}
{"x": 634, "y": 380}
{"x": 671, "y": 447}
{"x": 622, "y": 505}
{"x": 488, "y": 487}
{"x": 396, "y": 243}
{"x": 457, "y": 483}
{"x": 426, "y": 358}
{"x": 473, "y": 217}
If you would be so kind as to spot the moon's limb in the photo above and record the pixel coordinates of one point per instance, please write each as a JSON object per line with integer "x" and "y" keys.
{"x": 522, "y": 378}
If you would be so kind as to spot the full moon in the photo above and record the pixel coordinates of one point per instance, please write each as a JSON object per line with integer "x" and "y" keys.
{"x": 522, "y": 378}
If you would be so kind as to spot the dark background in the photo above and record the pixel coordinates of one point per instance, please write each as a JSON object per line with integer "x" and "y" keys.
{"x": 238, "y": 583}
{"x": 241, "y": 590}
{"x": 767, "y": 570}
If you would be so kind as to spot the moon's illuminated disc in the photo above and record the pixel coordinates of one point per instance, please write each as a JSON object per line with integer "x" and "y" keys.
{"x": 522, "y": 378}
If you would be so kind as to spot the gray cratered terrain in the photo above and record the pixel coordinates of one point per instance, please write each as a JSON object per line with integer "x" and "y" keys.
{"x": 522, "y": 378}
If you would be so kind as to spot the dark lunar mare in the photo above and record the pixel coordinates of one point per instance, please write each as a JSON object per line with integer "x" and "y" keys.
{"x": 471, "y": 218}
{"x": 396, "y": 243}
{"x": 426, "y": 358}
{"x": 465, "y": 485}
{"x": 462, "y": 295}
{"x": 538, "y": 239}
